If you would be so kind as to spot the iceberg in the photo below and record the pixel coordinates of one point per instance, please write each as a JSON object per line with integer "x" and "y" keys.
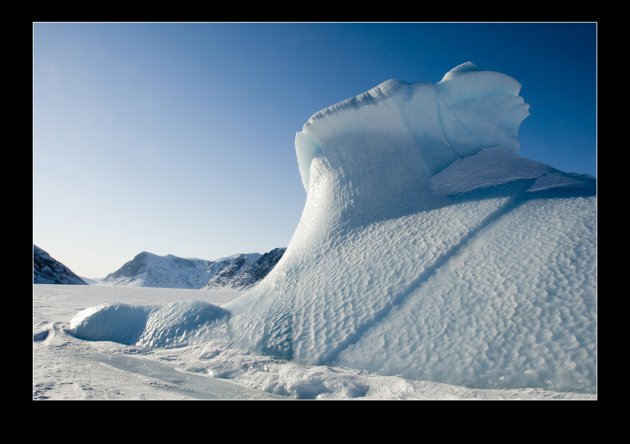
{"x": 428, "y": 248}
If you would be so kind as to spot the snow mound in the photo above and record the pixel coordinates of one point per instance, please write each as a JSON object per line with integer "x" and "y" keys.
{"x": 169, "y": 325}
{"x": 121, "y": 323}
{"x": 427, "y": 247}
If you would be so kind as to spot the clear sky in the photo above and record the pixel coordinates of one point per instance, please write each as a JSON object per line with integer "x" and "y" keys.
{"x": 178, "y": 138}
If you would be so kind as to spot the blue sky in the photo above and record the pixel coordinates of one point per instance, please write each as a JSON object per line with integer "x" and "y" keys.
{"x": 179, "y": 138}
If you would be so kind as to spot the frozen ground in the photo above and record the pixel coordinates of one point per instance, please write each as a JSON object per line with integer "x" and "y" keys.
{"x": 65, "y": 367}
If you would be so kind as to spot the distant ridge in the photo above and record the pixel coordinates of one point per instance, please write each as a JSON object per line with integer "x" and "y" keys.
{"x": 237, "y": 272}
{"x": 47, "y": 270}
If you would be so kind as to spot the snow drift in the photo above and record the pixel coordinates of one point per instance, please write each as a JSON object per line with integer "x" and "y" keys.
{"x": 427, "y": 248}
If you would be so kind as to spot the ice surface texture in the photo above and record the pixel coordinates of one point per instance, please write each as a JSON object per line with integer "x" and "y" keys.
{"x": 427, "y": 248}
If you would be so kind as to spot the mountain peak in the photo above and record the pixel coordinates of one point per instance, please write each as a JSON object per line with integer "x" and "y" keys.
{"x": 145, "y": 254}
{"x": 238, "y": 271}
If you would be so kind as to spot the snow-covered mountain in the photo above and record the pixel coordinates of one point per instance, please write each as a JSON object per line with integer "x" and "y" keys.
{"x": 47, "y": 270}
{"x": 427, "y": 248}
{"x": 243, "y": 273}
{"x": 151, "y": 270}
{"x": 226, "y": 269}
{"x": 238, "y": 271}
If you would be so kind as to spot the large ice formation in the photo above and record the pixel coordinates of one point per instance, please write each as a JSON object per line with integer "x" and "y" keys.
{"x": 427, "y": 248}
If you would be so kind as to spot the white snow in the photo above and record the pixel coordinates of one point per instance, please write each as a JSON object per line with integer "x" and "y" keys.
{"x": 65, "y": 367}
{"x": 68, "y": 368}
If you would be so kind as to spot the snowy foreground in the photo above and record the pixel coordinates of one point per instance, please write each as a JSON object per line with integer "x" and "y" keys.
{"x": 69, "y": 368}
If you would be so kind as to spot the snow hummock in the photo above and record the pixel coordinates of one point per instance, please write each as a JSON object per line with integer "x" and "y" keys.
{"x": 174, "y": 324}
{"x": 427, "y": 249}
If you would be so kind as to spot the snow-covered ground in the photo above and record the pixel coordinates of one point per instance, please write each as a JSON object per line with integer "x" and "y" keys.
{"x": 65, "y": 367}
